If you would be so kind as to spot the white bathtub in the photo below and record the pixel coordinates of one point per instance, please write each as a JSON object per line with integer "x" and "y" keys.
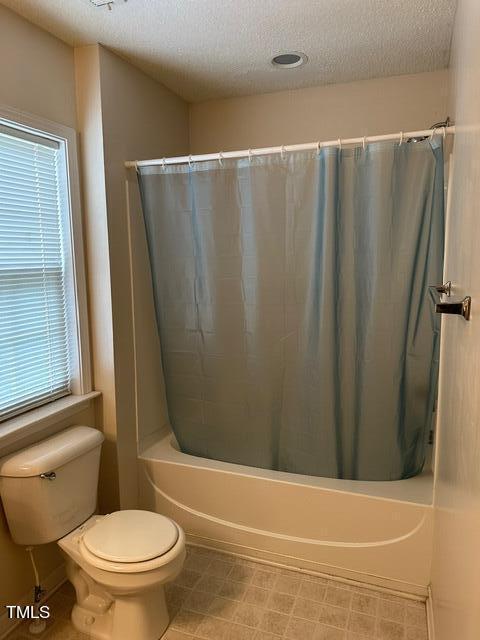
{"x": 376, "y": 532}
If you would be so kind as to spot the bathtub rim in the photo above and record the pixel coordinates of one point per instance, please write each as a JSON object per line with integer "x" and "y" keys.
{"x": 162, "y": 445}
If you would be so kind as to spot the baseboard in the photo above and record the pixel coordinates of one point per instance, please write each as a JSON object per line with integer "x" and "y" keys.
{"x": 387, "y": 585}
{"x": 51, "y": 583}
{"x": 430, "y": 618}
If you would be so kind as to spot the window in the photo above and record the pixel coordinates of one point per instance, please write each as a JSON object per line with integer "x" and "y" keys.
{"x": 40, "y": 337}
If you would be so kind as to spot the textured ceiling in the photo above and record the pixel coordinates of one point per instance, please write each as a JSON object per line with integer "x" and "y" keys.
{"x": 205, "y": 49}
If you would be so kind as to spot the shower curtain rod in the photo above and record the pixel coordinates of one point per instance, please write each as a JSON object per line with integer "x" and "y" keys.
{"x": 250, "y": 153}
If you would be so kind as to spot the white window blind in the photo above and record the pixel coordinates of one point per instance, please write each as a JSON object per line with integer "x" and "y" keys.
{"x": 34, "y": 336}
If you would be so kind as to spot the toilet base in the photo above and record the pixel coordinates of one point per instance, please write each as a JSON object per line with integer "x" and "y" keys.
{"x": 119, "y": 605}
{"x": 142, "y": 617}
{"x": 105, "y": 615}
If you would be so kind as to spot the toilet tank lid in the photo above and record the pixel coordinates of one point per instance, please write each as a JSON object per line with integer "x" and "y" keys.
{"x": 51, "y": 453}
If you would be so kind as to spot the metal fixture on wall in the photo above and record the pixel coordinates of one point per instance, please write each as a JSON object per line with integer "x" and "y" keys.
{"x": 459, "y": 307}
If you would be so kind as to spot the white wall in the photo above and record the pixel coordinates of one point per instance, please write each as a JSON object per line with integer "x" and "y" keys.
{"x": 369, "y": 107}
{"x": 456, "y": 559}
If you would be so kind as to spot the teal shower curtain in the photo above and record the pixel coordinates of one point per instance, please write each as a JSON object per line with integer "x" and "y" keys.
{"x": 292, "y": 304}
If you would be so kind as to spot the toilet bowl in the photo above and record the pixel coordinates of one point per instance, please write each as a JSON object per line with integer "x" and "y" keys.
{"x": 118, "y": 563}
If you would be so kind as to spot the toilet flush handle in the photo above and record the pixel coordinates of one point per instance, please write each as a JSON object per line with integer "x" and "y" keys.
{"x": 49, "y": 475}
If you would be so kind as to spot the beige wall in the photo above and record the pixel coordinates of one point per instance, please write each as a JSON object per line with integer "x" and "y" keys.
{"x": 456, "y": 563}
{"x": 123, "y": 114}
{"x": 36, "y": 76}
{"x": 352, "y": 109}
{"x": 36, "y": 70}
{"x": 90, "y": 127}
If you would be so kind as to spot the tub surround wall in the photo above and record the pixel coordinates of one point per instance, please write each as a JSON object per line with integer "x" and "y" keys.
{"x": 368, "y": 107}
{"x": 456, "y": 557}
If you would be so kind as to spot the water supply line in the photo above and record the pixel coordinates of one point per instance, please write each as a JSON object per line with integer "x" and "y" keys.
{"x": 37, "y": 625}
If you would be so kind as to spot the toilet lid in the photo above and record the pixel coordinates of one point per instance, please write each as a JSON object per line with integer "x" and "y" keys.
{"x": 131, "y": 536}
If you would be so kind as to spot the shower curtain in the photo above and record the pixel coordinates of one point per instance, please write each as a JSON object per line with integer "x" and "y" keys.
{"x": 292, "y": 303}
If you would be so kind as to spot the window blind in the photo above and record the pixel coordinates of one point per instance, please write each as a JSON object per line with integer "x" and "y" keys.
{"x": 34, "y": 340}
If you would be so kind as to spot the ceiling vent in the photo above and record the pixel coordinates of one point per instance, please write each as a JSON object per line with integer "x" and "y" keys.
{"x": 289, "y": 60}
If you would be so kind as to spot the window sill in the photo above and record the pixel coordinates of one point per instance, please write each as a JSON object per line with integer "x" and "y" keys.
{"x": 26, "y": 426}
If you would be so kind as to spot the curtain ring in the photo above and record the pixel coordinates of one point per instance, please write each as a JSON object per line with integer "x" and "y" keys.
{"x": 444, "y": 132}
{"x": 433, "y": 133}
{"x": 220, "y": 158}
{"x": 401, "y": 138}
{"x": 282, "y": 152}
{"x": 136, "y": 167}
{"x": 190, "y": 161}
{"x": 364, "y": 140}
{"x": 318, "y": 147}
{"x": 163, "y": 164}
{"x": 249, "y": 155}
{"x": 339, "y": 144}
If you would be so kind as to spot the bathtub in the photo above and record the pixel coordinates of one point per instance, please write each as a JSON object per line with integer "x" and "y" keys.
{"x": 374, "y": 532}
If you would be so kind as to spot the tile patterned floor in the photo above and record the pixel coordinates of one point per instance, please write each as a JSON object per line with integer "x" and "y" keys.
{"x": 220, "y": 597}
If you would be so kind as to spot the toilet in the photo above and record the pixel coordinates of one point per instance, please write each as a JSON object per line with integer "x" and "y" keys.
{"x": 118, "y": 563}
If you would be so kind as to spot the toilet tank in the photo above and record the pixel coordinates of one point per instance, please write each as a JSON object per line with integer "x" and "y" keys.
{"x": 50, "y": 488}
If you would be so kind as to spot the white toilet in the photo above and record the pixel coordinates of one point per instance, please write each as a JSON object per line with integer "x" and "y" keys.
{"x": 117, "y": 563}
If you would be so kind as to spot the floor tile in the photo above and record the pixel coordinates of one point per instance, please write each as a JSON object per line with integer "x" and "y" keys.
{"x": 264, "y": 635}
{"x": 199, "y": 601}
{"x": 222, "y": 608}
{"x": 222, "y": 597}
{"x": 324, "y": 632}
{"x": 298, "y": 629}
{"x": 239, "y": 573}
{"x": 361, "y": 623}
{"x": 187, "y": 621}
{"x": 274, "y": 622}
{"x": 256, "y": 595}
{"x": 388, "y": 630}
{"x": 415, "y": 614}
{"x": 364, "y": 603}
{"x": 308, "y": 609}
{"x": 333, "y": 616}
{"x": 416, "y": 633}
{"x": 248, "y": 614}
{"x": 210, "y": 628}
{"x": 394, "y": 611}
{"x": 239, "y": 632}
{"x": 312, "y": 591}
{"x": 264, "y": 579}
{"x": 211, "y": 584}
{"x": 282, "y": 602}
{"x": 287, "y": 584}
{"x": 234, "y": 590}
{"x": 338, "y": 597}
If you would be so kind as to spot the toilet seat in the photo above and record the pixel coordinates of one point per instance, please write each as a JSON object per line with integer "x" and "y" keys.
{"x": 129, "y": 541}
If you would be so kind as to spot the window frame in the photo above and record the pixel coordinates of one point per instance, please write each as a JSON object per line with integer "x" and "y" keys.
{"x": 75, "y": 272}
